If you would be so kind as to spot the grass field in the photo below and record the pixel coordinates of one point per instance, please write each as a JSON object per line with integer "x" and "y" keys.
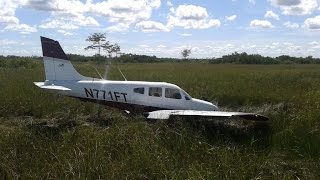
{"x": 49, "y": 136}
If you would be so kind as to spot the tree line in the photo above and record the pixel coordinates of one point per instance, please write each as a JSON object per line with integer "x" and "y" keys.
{"x": 113, "y": 54}
{"x": 99, "y": 42}
{"x": 244, "y": 58}
{"x": 28, "y": 62}
{"x": 234, "y": 58}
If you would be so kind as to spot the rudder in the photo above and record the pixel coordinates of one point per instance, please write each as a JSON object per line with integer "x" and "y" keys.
{"x": 56, "y": 63}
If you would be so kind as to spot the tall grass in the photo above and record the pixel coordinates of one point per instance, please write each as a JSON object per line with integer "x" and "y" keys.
{"x": 45, "y": 135}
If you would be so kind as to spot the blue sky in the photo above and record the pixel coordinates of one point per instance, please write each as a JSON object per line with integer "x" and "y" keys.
{"x": 210, "y": 28}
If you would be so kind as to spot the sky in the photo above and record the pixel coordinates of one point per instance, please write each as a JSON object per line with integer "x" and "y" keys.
{"x": 210, "y": 28}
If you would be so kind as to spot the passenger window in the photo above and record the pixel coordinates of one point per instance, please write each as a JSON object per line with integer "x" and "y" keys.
{"x": 172, "y": 93}
{"x": 139, "y": 90}
{"x": 187, "y": 98}
{"x": 155, "y": 91}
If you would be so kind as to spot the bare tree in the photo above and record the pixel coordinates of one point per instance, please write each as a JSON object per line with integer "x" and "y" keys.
{"x": 185, "y": 53}
{"x": 98, "y": 41}
{"x": 109, "y": 50}
{"x": 116, "y": 49}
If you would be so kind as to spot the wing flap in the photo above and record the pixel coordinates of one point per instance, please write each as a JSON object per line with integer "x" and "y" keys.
{"x": 51, "y": 87}
{"x": 167, "y": 114}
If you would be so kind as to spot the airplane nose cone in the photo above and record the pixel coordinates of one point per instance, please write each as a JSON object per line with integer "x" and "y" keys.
{"x": 204, "y": 105}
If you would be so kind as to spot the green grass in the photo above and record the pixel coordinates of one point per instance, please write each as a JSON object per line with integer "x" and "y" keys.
{"x": 46, "y": 135}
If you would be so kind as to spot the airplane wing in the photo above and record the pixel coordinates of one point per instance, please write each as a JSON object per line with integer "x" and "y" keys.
{"x": 51, "y": 87}
{"x": 167, "y": 114}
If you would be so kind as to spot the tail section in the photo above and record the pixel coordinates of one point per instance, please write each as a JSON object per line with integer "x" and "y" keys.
{"x": 56, "y": 63}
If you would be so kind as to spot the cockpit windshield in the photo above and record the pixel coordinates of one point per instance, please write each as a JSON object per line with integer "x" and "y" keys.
{"x": 186, "y": 95}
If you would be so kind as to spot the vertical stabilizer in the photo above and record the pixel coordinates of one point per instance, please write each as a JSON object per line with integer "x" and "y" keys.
{"x": 56, "y": 63}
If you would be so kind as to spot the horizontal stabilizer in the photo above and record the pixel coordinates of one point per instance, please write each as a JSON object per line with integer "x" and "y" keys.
{"x": 51, "y": 87}
{"x": 167, "y": 114}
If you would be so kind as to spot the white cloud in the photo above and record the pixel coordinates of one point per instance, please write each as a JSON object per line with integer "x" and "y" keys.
{"x": 65, "y": 14}
{"x": 74, "y": 12}
{"x": 154, "y": 3}
{"x": 312, "y": 23}
{"x": 161, "y": 46}
{"x": 291, "y": 46}
{"x": 272, "y": 15}
{"x": 22, "y": 28}
{"x": 59, "y": 24}
{"x": 86, "y": 21}
{"x": 272, "y": 47}
{"x": 151, "y": 26}
{"x": 185, "y": 34}
{"x": 125, "y": 11}
{"x": 71, "y": 7}
{"x": 261, "y": 24}
{"x": 229, "y": 45}
{"x": 314, "y": 43}
{"x": 7, "y": 11}
{"x": 252, "y": 1}
{"x": 172, "y": 10}
{"x": 191, "y": 12}
{"x": 143, "y": 45}
{"x": 192, "y": 17}
{"x": 66, "y": 33}
{"x": 287, "y": 2}
{"x": 169, "y": 3}
{"x": 295, "y": 7}
{"x": 195, "y": 49}
{"x": 120, "y": 27}
{"x": 5, "y": 42}
{"x": 231, "y": 18}
{"x": 8, "y": 18}
{"x": 74, "y": 21}
{"x": 291, "y": 25}
{"x": 287, "y": 43}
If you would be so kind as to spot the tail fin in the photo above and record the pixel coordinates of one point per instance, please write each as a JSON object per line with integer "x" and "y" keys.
{"x": 56, "y": 63}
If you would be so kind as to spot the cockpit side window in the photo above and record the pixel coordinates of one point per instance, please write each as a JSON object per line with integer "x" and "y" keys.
{"x": 155, "y": 91}
{"x": 139, "y": 90}
{"x": 172, "y": 93}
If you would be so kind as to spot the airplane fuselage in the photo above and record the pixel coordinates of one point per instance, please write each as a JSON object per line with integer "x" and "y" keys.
{"x": 133, "y": 95}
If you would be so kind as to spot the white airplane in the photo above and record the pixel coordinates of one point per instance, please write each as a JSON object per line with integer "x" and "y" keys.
{"x": 157, "y": 100}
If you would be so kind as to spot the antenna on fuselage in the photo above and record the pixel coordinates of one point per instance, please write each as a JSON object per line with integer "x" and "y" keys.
{"x": 97, "y": 71}
{"x": 122, "y": 74}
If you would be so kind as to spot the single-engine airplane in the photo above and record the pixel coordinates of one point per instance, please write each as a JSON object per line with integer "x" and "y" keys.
{"x": 157, "y": 100}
